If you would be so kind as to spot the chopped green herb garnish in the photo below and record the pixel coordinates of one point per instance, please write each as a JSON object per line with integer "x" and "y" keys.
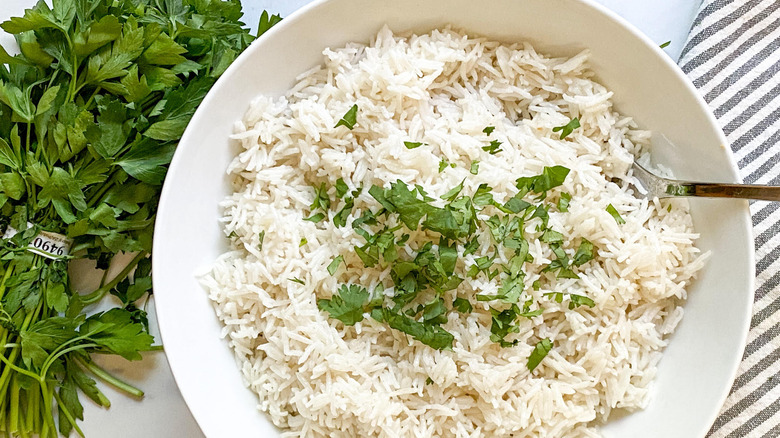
{"x": 334, "y": 265}
{"x": 563, "y": 202}
{"x": 321, "y": 198}
{"x": 262, "y": 237}
{"x": 413, "y": 144}
{"x": 669, "y": 208}
{"x": 424, "y": 271}
{"x": 471, "y": 246}
{"x": 296, "y": 280}
{"x": 347, "y": 304}
{"x": 550, "y": 178}
{"x": 429, "y": 334}
{"x": 350, "y": 118}
{"x": 584, "y": 253}
{"x": 567, "y": 128}
{"x": 303, "y": 242}
{"x": 541, "y": 350}
{"x": 579, "y": 300}
{"x": 443, "y": 165}
{"x": 453, "y": 193}
{"x": 340, "y": 219}
{"x": 503, "y": 324}
{"x": 493, "y": 148}
{"x": 489, "y": 130}
{"x": 428, "y": 381}
{"x": 315, "y": 218}
{"x": 664, "y": 45}
{"x": 574, "y": 299}
{"x": 551, "y": 236}
{"x": 462, "y": 305}
{"x": 341, "y": 188}
{"x": 611, "y": 210}
{"x": 483, "y": 196}
{"x": 474, "y": 167}
{"x": 423, "y": 193}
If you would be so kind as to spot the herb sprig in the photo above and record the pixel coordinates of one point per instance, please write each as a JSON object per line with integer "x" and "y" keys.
{"x": 90, "y": 115}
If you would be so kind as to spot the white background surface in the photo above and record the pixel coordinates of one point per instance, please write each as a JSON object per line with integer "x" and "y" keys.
{"x": 162, "y": 412}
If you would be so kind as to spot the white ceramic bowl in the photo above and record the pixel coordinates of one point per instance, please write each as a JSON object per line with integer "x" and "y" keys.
{"x": 698, "y": 366}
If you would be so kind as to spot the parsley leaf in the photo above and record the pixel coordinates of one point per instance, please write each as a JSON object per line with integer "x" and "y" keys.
{"x": 474, "y": 167}
{"x": 664, "y": 45}
{"x": 453, "y": 193}
{"x": 347, "y": 304}
{"x": 493, "y": 148}
{"x": 409, "y": 207}
{"x": 341, "y": 188}
{"x": 340, "y": 218}
{"x": 489, "y": 130}
{"x": 612, "y": 211}
{"x": 334, "y": 265}
{"x": 550, "y": 178}
{"x": 462, "y": 305}
{"x": 540, "y": 351}
{"x": 574, "y": 299}
{"x": 315, "y": 218}
{"x": 296, "y": 280}
{"x": 321, "y": 198}
{"x": 431, "y": 335}
{"x": 563, "y": 203}
{"x": 584, "y": 253}
{"x": 350, "y": 118}
{"x": 502, "y": 325}
{"x": 567, "y": 128}
{"x": 413, "y": 144}
{"x": 267, "y": 22}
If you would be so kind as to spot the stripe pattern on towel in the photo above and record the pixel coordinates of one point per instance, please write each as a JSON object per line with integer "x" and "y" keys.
{"x": 733, "y": 57}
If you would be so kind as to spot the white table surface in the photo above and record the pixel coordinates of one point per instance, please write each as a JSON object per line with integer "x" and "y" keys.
{"x": 162, "y": 412}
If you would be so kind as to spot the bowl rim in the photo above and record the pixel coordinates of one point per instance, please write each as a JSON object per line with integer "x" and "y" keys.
{"x": 175, "y": 363}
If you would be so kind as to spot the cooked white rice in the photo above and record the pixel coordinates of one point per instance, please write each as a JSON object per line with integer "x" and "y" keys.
{"x": 315, "y": 377}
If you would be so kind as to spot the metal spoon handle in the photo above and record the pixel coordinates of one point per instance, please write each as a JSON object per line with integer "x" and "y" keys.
{"x": 714, "y": 190}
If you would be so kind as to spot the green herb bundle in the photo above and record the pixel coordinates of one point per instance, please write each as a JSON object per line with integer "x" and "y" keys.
{"x": 90, "y": 113}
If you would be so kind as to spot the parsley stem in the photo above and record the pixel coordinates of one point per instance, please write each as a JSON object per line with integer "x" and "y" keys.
{"x": 54, "y": 356}
{"x": 13, "y": 423}
{"x": 48, "y": 417}
{"x": 111, "y": 380}
{"x": 92, "y": 97}
{"x": 99, "y": 293}
{"x": 15, "y": 352}
{"x": 104, "y": 276}
{"x": 98, "y": 196}
{"x": 8, "y": 273}
{"x": 67, "y": 413}
{"x": 17, "y": 369}
{"x": 31, "y": 422}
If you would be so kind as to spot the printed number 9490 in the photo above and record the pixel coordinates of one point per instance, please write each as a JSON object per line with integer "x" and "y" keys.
{"x": 47, "y": 246}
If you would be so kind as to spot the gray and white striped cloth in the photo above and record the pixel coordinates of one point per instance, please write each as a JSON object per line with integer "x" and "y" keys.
{"x": 733, "y": 57}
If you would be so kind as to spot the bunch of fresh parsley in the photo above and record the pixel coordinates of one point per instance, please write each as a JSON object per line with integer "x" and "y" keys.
{"x": 90, "y": 115}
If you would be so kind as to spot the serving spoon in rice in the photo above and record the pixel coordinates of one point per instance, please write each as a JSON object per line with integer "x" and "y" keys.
{"x": 651, "y": 185}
